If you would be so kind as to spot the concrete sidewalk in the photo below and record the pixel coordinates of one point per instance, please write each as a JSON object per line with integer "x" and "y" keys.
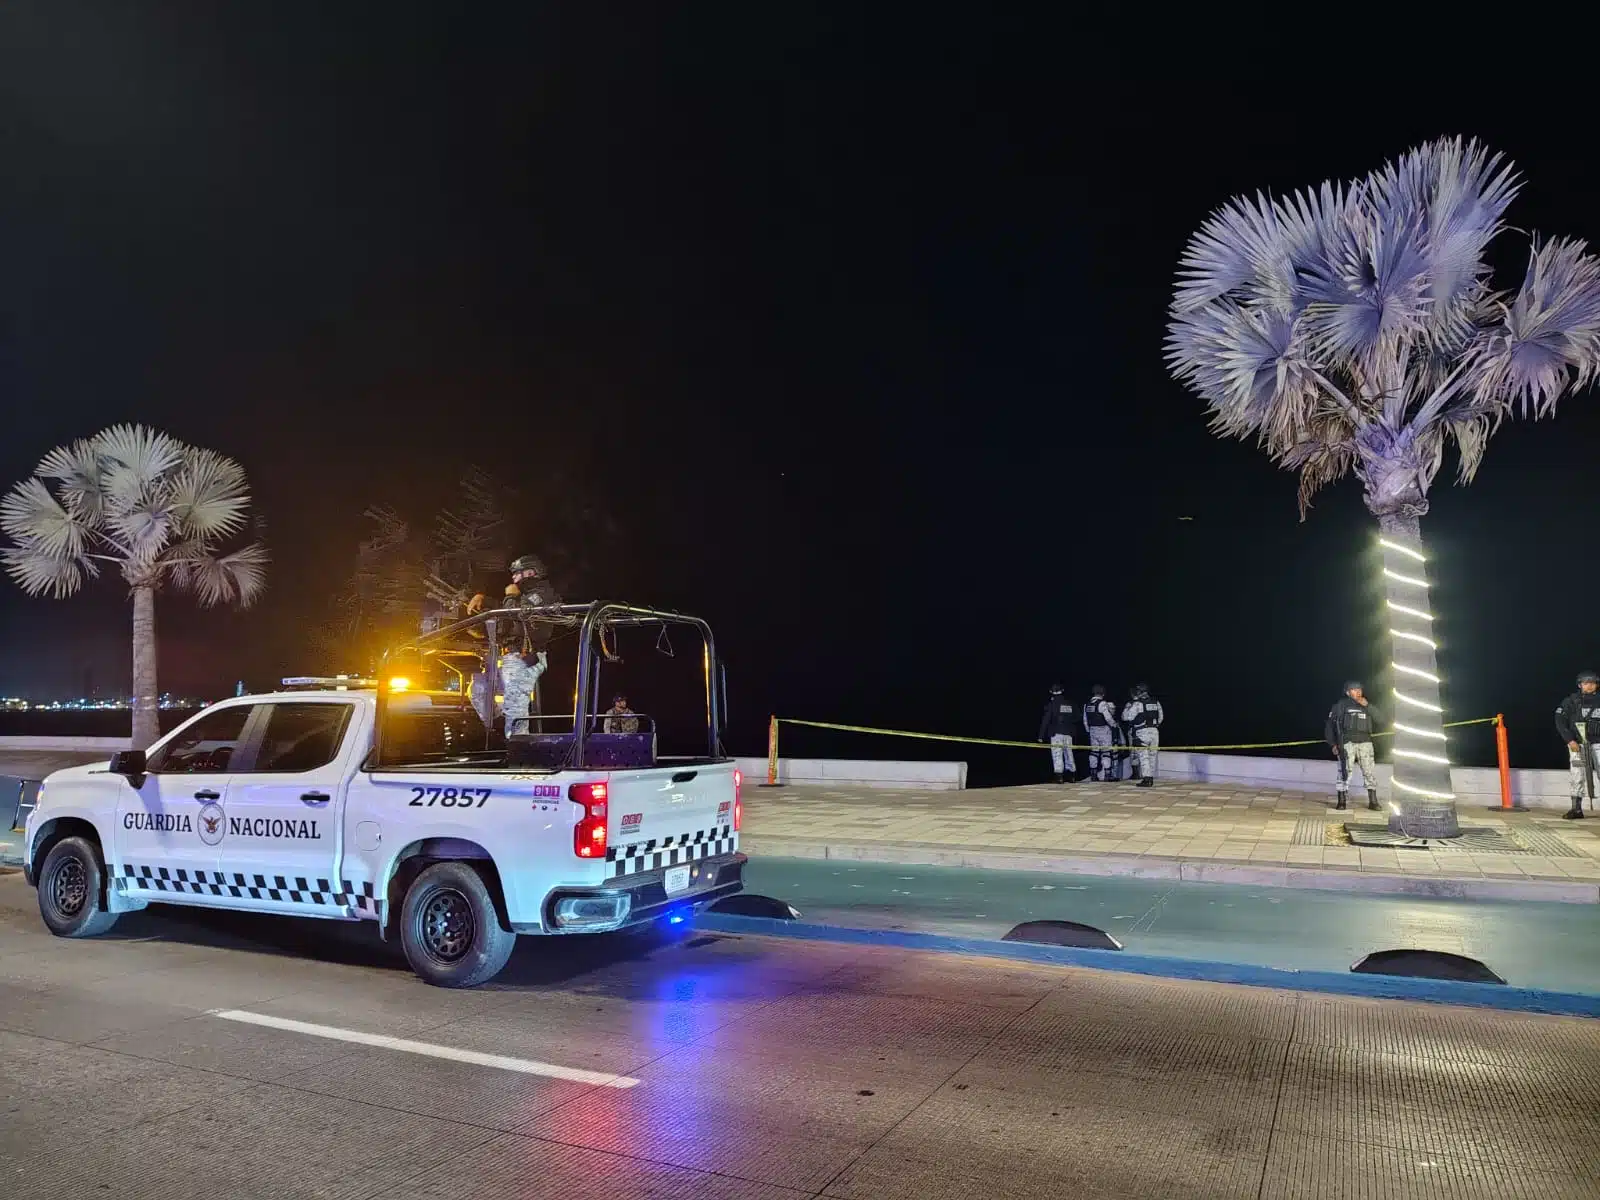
{"x": 1196, "y": 832}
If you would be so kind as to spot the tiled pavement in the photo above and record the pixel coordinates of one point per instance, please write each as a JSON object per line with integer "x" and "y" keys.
{"x": 1179, "y": 830}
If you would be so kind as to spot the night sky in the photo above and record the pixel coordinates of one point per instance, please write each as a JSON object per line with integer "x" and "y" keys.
{"x": 851, "y": 325}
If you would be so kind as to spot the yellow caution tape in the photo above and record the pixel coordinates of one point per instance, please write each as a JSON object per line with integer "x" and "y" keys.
{"x": 945, "y": 737}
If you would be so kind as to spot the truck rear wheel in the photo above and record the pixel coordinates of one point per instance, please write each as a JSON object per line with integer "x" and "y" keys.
{"x": 449, "y": 930}
{"x": 70, "y": 881}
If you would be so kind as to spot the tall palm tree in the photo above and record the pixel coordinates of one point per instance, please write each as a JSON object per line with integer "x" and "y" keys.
{"x": 1355, "y": 328}
{"x": 148, "y": 505}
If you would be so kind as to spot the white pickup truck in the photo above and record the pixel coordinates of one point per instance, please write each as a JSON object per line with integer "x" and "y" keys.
{"x": 397, "y": 807}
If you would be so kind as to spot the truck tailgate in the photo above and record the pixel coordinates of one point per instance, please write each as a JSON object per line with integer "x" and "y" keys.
{"x": 664, "y": 816}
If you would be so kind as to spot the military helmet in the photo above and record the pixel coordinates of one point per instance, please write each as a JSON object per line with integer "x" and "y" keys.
{"x": 528, "y": 562}
{"x": 1587, "y": 677}
{"x": 1099, "y": 689}
{"x": 1056, "y": 689}
{"x": 1141, "y": 691}
{"x": 1351, "y": 685}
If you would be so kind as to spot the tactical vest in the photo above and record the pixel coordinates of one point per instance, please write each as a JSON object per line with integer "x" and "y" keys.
{"x": 1093, "y": 714}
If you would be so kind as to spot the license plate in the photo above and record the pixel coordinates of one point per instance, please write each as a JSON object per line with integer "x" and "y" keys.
{"x": 677, "y": 879}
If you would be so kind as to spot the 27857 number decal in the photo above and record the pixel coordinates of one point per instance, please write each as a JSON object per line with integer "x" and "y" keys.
{"x": 449, "y": 797}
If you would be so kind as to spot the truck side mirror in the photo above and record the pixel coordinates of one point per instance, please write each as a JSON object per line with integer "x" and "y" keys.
{"x": 128, "y": 762}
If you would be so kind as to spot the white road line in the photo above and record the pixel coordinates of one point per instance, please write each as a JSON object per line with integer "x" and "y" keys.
{"x": 526, "y": 1066}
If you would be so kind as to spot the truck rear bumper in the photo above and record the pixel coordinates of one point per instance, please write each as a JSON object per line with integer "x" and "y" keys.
{"x": 631, "y": 900}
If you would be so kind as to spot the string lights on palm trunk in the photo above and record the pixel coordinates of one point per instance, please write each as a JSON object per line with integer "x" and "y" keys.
{"x": 1421, "y": 764}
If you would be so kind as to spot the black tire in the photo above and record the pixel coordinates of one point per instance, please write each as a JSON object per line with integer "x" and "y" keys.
{"x": 449, "y": 929}
{"x": 70, "y": 882}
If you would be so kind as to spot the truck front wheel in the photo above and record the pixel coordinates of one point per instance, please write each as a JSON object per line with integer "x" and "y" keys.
{"x": 70, "y": 879}
{"x": 449, "y": 930}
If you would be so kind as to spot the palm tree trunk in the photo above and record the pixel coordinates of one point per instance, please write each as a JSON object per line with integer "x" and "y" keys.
{"x": 146, "y": 725}
{"x": 1423, "y": 802}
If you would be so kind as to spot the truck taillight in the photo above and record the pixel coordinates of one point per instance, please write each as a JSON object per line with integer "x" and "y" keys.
{"x": 738, "y": 799}
{"x": 589, "y": 834}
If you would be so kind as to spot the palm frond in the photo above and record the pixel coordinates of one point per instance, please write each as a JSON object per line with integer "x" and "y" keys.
{"x": 1355, "y": 328}
{"x": 77, "y": 468}
{"x": 1244, "y": 363}
{"x": 141, "y": 499}
{"x": 40, "y": 573}
{"x": 34, "y": 517}
{"x": 141, "y": 533}
{"x": 236, "y": 578}
{"x": 1319, "y": 463}
{"x": 1468, "y": 190}
{"x": 1471, "y": 436}
{"x": 135, "y": 462}
{"x": 208, "y": 495}
{"x": 1547, "y": 338}
{"x": 1368, "y": 291}
{"x": 1240, "y": 244}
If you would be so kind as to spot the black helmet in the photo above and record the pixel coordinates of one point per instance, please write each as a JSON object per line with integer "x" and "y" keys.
{"x": 528, "y": 562}
{"x": 1099, "y": 689}
{"x": 1056, "y": 689}
{"x": 1587, "y": 677}
{"x": 1141, "y": 691}
{"x": 1352, "y": 685}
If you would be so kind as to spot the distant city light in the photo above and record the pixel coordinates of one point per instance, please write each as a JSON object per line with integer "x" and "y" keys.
{"x": 82, "y": 704}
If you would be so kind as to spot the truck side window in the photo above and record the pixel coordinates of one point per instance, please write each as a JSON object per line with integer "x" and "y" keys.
{"x": 206, "y": 746}
{"x": 302, "y": 737}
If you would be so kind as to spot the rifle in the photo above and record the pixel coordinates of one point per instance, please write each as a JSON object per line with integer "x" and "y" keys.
{"x": 1588, "y": 761}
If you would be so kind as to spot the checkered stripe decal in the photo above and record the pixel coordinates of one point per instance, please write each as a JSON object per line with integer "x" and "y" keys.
{"x": 296, "y": 889}
{"x": 670, "y": 851}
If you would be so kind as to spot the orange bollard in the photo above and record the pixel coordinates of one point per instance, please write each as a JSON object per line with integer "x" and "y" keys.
{"x": 772, "y": 753}
{"x": 1502, "y": 748}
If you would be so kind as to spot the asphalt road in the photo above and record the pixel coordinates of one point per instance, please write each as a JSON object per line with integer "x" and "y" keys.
{"x": 1550, "y": 946}
{"x": 190, "y": 1054}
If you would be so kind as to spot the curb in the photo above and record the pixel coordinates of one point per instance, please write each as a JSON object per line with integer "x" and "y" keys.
{"x": 1383, "y": 987}
{"x": 1441, "y": 887}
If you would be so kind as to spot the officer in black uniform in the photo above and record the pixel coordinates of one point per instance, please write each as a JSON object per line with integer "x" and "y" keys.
{"x": 1057, "y": 727}
{"x": 1578, "y": 723}
{"x": 1348, "y": 730}
{"x": 530, "y": 587}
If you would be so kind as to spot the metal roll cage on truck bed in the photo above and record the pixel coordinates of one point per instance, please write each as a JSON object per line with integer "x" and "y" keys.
{"x": 591, "y": 620}
{"x": 410, "y": 806}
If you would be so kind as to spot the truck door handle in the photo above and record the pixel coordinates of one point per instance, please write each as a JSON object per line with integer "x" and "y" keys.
{"x": 684, "y": 776}
{"x": 207, "y": 794}
{"x": 314, "y": 797}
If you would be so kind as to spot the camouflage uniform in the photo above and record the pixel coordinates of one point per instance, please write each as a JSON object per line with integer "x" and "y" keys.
{"x": 1576, "y": 786}
{"x": 1348, "y": 730}
{"x": 1143, "y": 716}
{"x": 1056, "y": 727}
{"x": 1100, "y": 719}
{"x": 1359, "y": 756}
{"x": 620, "y": 720}
{"x": 1578, "y": 720}
{"x": 518, "y": 678}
